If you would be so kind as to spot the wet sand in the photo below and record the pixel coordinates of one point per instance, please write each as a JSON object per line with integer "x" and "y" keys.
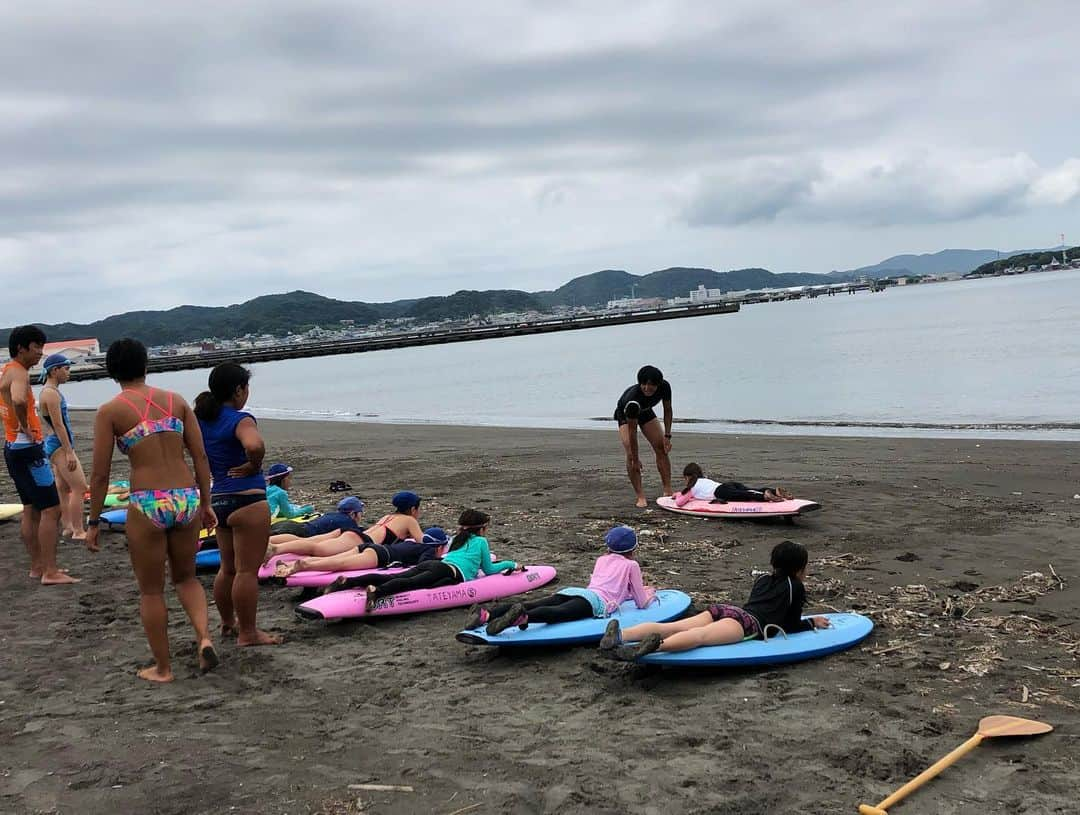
{"x": 931, "y": 538}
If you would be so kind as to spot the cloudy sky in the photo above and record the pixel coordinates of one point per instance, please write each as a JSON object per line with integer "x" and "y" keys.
{"x": 156, "y": 154}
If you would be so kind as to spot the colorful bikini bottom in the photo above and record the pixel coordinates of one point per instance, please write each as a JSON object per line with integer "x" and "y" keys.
{"x": 167, "y": 508}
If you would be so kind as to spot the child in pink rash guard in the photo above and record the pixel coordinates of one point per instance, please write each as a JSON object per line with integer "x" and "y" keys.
{"x": 616, "y": 577}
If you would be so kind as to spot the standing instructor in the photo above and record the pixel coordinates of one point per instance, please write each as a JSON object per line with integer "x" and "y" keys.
{"x": 24, "y": 455}
{"x": 635, "y": 409}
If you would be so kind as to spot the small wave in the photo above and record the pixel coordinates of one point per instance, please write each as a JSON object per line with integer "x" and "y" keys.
{"x": 897, "y": 425}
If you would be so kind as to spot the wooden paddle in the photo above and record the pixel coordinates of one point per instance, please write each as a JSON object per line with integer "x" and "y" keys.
{"x": 991, "y": 727}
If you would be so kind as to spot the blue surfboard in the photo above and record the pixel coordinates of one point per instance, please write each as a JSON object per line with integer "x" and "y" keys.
{"x": 846, "y": 631}
{"x": 208, "y": 559}
{"x": 114, "y": 518}
{"x": 671, "y": 604}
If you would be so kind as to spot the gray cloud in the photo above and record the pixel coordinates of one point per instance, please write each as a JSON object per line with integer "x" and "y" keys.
{"x": 363, "y": 149}
{"x": 923, "y": 188}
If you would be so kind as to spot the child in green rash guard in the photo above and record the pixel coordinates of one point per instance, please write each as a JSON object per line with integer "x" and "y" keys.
{"x": 469, "y": 553}
{"x": 278, "y": 481}
{"x": 776, "y": 600}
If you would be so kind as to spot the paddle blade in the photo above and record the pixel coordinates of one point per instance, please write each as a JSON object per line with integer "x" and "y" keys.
{"x": 993, "y": 727}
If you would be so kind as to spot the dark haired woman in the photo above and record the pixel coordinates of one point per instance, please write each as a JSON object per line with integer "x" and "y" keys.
{"x": 469, "y": 553}
{"x": 153, "y": 428}
{"x": 700, "y": 488}
{"x": 635, "y": 409}
{"x": 236, "y": 451}
{"x": 776, "y": 601}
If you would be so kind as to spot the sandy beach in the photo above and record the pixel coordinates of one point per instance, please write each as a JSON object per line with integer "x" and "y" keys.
{"x": 946, "y": 544}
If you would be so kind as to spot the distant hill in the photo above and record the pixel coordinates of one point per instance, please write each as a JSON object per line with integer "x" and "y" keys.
{"x": 272, "y": 313}
{"x": 299, "y": 311}
{"x": 597, "y": 288}
{"x": 1026, "y": 259}
{"x": 464, "y": 304}
{"x": 947, "y": 261}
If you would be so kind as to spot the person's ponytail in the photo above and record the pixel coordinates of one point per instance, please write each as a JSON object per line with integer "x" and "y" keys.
{"x": 470, "y": 522}
{"x": 223, "y": 382}
{"x": 693, "y": 472}
{"x": 207, "y": 407}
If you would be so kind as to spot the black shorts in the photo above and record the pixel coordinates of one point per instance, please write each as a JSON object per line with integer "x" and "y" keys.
{"x": 381, "y": 552}
{"x": 33, "y": 476}
{"x": 646, "y": 416}
{"x": 226, "y": 505}
{"x": 297, "y": 528}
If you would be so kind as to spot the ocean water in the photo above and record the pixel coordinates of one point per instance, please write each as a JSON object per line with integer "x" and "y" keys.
{"x": 998, "y": 357}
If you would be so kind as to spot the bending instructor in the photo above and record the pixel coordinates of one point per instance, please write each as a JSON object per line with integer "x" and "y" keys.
{"x": 634, "y": 410}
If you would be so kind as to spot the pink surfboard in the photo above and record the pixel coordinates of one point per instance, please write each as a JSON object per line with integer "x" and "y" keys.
{"x": 740, "y": 509}
{"x": 312, "y": 579}
{"x": 350, "y": 603}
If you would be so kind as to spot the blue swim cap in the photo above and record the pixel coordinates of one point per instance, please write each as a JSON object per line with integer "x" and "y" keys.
{"x": 436, "y": 535}
{"x": 621, "y": 539}
{"x": 404, "y": 501}
{"x": 350, "y": 504}
{"x": 278, "y": 471}
{"x": 53, "y": 361}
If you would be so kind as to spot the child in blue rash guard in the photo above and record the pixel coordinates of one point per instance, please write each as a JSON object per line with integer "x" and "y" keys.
{"x": 776, "y": 599}
{"x": 278, "y": 482}
{"x": 469, "y": 553}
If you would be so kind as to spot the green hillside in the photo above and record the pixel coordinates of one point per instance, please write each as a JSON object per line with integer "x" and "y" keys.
{"x": 1024, "y": 260}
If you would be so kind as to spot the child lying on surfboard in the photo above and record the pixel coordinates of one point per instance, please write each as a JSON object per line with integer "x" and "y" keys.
{"x": 469, "y": 553}
{"x": 700, "y": 488}
{"x": 616, "y": 577}
{"x": 776, "y": 601}
{"x": 370, "y": 548}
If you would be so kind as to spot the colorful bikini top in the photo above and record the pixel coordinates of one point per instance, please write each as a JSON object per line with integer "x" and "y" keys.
{"x": 147, "y": 426}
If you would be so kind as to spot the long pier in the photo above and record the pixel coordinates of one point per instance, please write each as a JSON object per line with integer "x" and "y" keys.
{"x": 208, "y": 359}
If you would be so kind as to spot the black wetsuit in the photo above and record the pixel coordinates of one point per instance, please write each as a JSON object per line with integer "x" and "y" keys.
{"x": 776, "y": 600}
{"x": 634, "y": 394}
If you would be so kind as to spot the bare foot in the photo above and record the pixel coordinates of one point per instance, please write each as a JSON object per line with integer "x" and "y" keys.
{"x": 152, "y": 674}
{"x": 287, "y": 569}
{"x": 271, "y": 550}
{"x": 783, "y": 494}
{"x": 78, "y": 536}
{"x": 258, "y": 638}
{"x": 641, "y": 502}
{"x": 35, "y": 573}
{"x": 228, "y": 629}
{"x": 208, "y": 658}
{"x": 57, "y": 578}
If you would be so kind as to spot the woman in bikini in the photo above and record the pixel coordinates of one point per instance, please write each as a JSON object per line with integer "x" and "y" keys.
{"x": 373, "y": 548}
{"x": 153, "y": 428}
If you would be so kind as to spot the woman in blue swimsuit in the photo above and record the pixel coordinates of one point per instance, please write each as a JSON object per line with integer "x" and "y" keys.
{"x": 236, "y": 451}
{"x": 60, "y": 446}
{"x": 153, "y": 428}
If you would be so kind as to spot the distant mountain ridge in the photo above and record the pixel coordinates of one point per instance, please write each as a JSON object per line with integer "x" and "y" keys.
{"x": 947, "y": 261}
{"x": 298, "y": 311}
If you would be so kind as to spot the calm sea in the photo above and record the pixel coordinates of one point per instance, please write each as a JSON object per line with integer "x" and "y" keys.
{"x": 937, "y": 360}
